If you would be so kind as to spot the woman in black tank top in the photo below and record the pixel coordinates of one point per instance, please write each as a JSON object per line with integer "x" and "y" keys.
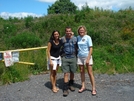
{"x": 54, "y": 59}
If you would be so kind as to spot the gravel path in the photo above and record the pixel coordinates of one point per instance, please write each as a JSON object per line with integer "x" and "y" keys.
{"x": 119, "y": 87}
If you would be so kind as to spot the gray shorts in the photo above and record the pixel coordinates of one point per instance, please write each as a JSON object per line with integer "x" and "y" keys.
{"x": 69, "y": 65}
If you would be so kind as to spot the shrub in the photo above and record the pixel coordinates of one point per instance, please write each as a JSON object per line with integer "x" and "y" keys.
{"x": 25, "y": 40}
{"x": 132, "y": 42}
{"x": 10, "y": 75}
{"x": 127, "y": 33}
{"x": 28, "y": 21}
{"x": 9, "y": 29}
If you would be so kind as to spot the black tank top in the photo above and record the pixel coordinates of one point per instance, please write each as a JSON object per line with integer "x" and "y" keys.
{"x": 55, "y": 49}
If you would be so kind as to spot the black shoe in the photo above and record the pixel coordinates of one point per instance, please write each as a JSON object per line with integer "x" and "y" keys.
{"x": 65, "y": 93}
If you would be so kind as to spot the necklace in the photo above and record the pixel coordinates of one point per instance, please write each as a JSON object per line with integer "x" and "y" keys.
{"x": 56, "y": 42}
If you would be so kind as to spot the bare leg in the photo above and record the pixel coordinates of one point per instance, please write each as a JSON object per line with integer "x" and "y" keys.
{"x": 66, "y": 77}
{"x": 91, "y": 76}
{"x": 53, "y": 78}
{"x": 71, "y": 76}
{"x": 82, "y": 74}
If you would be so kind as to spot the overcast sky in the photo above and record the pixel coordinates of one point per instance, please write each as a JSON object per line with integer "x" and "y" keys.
{"x": 23, "y": 8}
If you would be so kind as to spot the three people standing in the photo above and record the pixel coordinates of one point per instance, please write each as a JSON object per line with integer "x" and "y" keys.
{"x": 69, "y": 44}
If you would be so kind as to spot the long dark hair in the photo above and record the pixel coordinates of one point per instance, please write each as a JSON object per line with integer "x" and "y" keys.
{"x": 52, "y": 36}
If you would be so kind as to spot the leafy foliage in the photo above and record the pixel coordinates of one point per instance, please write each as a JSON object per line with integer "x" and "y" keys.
{"x": 9, "y": 29}
{"x": 25, "y": 40}
{"x": 28, "y": 21}
{"x": 62, "y": 7}
{"x": 10, "y": 75}
{"x": 112, "y": 34}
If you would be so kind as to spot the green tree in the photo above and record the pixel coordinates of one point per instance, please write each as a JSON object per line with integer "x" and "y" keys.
{"x": 28, "y": 21}
{"x": 62, "y": 7}
{"x": 86, "y": 7}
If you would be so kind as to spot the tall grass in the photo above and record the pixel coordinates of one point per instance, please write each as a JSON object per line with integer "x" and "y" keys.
{"x": 113, "y": 59}
{"x": 20, "y": 72}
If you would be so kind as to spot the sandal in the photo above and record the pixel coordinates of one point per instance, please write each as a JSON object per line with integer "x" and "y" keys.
{"x": 82, "y": 90}
{"x": 94, "y": 92}
{"x": 54, "y": 90}
{"x": 57, "y": 89}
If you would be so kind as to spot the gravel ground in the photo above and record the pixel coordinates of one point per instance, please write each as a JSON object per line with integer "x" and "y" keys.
{"x": 118, "y": 87}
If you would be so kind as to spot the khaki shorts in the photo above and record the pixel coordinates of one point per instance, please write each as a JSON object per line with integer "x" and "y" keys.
{"x": 69, "y": 65}
{"x": 82, "y": 61}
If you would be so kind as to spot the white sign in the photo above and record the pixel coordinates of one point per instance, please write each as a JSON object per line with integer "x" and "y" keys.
{"x": 15, "y": 56}
{"x": 8, "y": 58}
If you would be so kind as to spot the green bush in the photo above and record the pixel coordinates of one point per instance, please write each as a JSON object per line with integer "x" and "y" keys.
{"x": 9, "y": 29}
{"x": 10, "y": 75}
{"x": 127, "y": 33}
{"x": 132, "y": 42}
{"x": 28, "y": 21}
{"x": 25, "y": 40}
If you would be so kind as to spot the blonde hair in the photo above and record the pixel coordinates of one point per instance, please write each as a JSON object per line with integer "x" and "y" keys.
{"x": 82, "y": 27}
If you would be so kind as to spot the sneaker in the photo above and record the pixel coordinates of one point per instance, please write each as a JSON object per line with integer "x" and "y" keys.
{"x": 71, "y": 88}
{"x": 65, "y": 93}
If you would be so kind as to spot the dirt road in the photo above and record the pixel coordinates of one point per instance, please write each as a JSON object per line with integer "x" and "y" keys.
{"x": 119, "y": 87}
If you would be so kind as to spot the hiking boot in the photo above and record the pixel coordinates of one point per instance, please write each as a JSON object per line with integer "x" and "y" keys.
{"x": 65, "y": 93}
{"x": 71, "y": 87}
{"x": 65, "y": 89}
